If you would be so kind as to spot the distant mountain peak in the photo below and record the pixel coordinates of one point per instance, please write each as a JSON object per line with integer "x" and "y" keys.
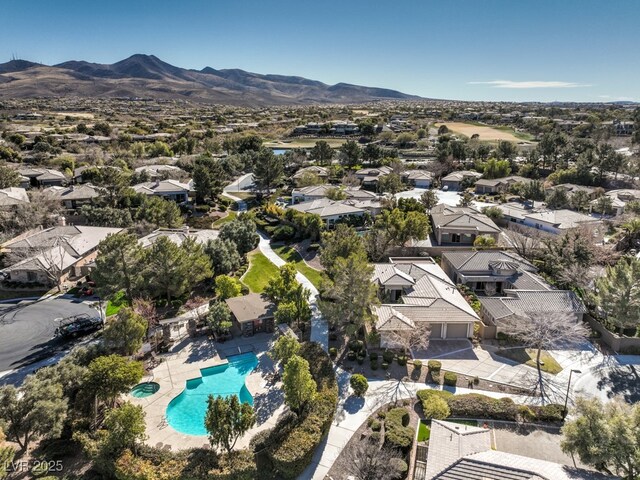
{"x": 145, "y": 75}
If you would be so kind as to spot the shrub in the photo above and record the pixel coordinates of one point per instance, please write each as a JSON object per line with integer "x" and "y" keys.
{"x": 387, "y": 356}
{"x": 402, "y": 360}
{"x": 376, "y": 426}
{"x": 417, "y": 364}
{"x": 374, "y": 364}
{"x": 283, "y": 232}
{"x": 356, "y": 345}
{"x": 548, "y": 413}
{"x": 333, "y": 352}
{"x": 476, "y": 380}
{"x": 351, "y": 356}
{"x": 525, "y": 413}
{"x": 385, "y": 365}
{"x": 398, "y": 416}
{"x": 375, "y": 437}
{"x": 426, "y": 395}
{"x": 397, "y": 433}
{"x": 435, "y": 376}
{"x": 400, "y": 466}
{"x": 382, "y": 415}
{"x": 475, "y": 405}
{"x": 436, "y": 407}
{"x": 359, "y": 384}
{"x": 450, "y": 379}
{"x": 434, "y": 365}
{"x": 373, "y": 355}
{"x": 360, "y": 359}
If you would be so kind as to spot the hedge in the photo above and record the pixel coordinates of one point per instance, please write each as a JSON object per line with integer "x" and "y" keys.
{"x": 293, "y": 451}
{"x": 475, "y": 405}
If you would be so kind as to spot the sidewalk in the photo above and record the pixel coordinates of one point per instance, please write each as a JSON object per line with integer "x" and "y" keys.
{"x": 319, "y": 326}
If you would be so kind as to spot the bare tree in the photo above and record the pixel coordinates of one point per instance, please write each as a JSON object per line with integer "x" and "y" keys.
{"x": 411, "y": 340}
{"x": 546, "y": 331}
{"x": 366, "y": 460}
{"x": 525, "y": 241}
{"x": 50, "y": 257}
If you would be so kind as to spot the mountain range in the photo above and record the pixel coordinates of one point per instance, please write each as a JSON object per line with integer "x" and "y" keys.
{"x": 146, "y": 76}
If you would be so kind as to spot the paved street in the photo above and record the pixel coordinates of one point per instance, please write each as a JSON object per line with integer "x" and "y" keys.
{"x": 26, "y": 331}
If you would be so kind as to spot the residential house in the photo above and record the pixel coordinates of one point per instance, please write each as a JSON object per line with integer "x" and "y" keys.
{"x": 499, "y": 185}
{"x": 179, "y": 235}
{"x": 417, "y": 290}
{"x": 570, "y": 189}
{"x": 620, "y": 127}
{"x": 169, "y": 189}
{"x": 13, "y": 197}
{"x": 418, "y": 178}
{"x": 457, "y": 451}
{"x": 459, "y": 180}
{"x": 67, "y": 250}
{"x": 41, "y": 177}
{"x": 161, "y": 172}
{"x": 620, "y": 199}
{"x": 369, "y": 177}
{"x": 332, "y": 211}
{"x": 73, "y": 196}
{"x": 560, "y": 221}
{"x": 461, "y": 225}
{"x": 498, "y": 313}
{"x": 317, "y": 192}
{"x": 491, "y": 272}
{"x": 321, "y": 172}
{"x": 252, "y": 313}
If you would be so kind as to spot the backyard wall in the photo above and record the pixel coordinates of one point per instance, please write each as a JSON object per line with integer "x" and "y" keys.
{"x": 617, "y": 343}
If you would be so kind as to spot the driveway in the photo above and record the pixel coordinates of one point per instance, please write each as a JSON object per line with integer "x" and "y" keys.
{"x": 27, "y": 330}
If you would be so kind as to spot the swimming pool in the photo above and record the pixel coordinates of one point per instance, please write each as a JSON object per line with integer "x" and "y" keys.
{"x": 185, "y": 413}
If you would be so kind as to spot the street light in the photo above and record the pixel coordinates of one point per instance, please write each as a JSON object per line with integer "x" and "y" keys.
{"x": 566, "y": 398}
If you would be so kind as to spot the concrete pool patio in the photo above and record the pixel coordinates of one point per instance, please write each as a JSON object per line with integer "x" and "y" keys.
{"x": 184, "y": 362}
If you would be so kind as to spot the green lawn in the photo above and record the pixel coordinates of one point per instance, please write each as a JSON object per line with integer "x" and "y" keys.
{"x": 261, "y": 270}
{"x": 289, "y": 254}
{"x": 528, "y": 357}
{"x": 305, "y": 143}
{"x": 116, "y": 303}
{"x": 424, "y": 432}
{"x": 221, "y": 221}
{"x": 527, "y": 137}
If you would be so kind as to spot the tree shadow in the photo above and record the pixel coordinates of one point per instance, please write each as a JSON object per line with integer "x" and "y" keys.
{"x": 623, "y": 381}
{"x": 353, "y": 404}
{"x": 201, "y": 349}
{"x": 266, "y": 403}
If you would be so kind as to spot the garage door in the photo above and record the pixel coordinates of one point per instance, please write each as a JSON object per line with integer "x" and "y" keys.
{"x": 436, "y": 330}
{"x": 457, "y": 330}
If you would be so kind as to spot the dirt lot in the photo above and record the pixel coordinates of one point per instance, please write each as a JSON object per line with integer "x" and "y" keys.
{"x": 486, "y": 134}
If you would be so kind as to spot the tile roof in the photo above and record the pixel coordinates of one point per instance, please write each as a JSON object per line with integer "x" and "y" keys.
{"x": 178, "y": 236}
{"x": 470, "y": 261}
{"x": 527, "y": 302}
{"x": 162, "y": 186}
{"x": 327, "y": 208}
{"x": 250, "y": 307}
{"x": 73, "y": 192}
{"x": 463, "y": 218}
{"x": 461, "y": 175}
{"x": 562, "y": 218}
{"x": 13, "y": 196}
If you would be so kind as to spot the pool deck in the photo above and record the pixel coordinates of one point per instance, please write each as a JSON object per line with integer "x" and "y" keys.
{"x": 184, "y": 362}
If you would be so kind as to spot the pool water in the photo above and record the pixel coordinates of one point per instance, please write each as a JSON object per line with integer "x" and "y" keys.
{"x": 186, "y": 412}
{"x": 143, "y": 390}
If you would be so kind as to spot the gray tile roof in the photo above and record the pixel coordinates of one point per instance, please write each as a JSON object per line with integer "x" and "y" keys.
{"x": 563, "y": 219}
{"x": 470, "y": 261}
{"x": 527, "y": 302}
{"x": 447, "y": 218}
{"x": 13, "y": 196}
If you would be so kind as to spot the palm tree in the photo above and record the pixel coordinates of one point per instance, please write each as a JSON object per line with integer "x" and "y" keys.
{"x": 632, "y": 229}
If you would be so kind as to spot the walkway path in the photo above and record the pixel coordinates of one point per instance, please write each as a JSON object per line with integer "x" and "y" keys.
{"x": 319, "y": 326}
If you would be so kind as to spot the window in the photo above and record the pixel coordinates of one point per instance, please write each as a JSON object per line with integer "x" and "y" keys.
{"x": 480, "y": 285}
{"x": 32, "y": 277}
{"x": 455, "y": 238}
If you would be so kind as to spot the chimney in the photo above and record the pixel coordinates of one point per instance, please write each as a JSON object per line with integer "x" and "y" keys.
{"x": 186, "y": 229}
{"x": 62, "y": 221}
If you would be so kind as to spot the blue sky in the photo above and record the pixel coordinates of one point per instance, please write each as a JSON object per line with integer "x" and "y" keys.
{"x": 520, "y": 50}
